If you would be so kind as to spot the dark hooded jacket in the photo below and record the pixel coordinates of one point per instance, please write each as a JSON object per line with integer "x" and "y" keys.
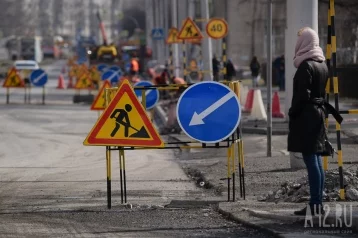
{"x": 307, "y": 113}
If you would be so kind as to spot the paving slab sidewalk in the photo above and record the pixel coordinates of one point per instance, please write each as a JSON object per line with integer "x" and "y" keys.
{"x": 278, "y": 219}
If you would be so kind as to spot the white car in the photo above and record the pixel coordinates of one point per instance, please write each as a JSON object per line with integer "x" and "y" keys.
{"x": 26, "y": 65}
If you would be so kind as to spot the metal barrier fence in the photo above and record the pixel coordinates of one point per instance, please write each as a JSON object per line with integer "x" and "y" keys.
{"x": 331, "y": 56}
{"x": 233, "y": 144}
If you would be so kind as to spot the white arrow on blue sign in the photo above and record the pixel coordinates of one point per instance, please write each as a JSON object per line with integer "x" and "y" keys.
{"x": 151, "y": 95}
{"x": 208, "y": 112}
{"x": 158, "y": 33}
{"x": 111, "y": 76}
{"x": 102, "y": 67}
{"x": 38, "y": 77}
{"x": 117, "y": 69}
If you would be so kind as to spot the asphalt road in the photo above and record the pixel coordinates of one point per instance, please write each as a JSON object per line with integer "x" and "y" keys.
{"x": 52, "y": 185}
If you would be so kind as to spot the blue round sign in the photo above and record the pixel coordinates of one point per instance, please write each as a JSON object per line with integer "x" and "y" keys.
{"x": 208, "y": 112}
{"x": 111, "y": 76}
{"x": 152, "y": 95}
{"x": 101, "y": 67}
{"x": 38, "y": 77}
{"x": 116, "y": 68}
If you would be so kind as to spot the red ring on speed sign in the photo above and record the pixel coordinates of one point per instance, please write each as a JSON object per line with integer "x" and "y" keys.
{"x": 222, "y": 21}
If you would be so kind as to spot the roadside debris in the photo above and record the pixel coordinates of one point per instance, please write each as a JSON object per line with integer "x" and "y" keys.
{"x": 298, "y": 191}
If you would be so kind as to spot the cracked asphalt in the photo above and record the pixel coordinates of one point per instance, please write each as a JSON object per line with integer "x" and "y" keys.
{"x": 52, "y": 185}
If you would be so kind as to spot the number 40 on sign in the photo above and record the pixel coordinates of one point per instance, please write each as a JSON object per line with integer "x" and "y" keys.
{"x": 217, "y": 28}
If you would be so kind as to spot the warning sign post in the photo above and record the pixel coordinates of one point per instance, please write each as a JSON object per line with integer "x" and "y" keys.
{"x": 125, "y": 125}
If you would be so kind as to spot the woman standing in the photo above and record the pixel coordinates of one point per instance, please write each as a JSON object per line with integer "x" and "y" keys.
{"x": 307, "y": 131}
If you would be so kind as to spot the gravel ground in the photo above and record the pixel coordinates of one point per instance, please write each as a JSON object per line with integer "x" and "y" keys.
{"x": 262, "y": 174}
{"x": 136, "y": 222}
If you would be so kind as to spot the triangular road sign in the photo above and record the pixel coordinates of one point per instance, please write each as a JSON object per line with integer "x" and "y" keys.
{"x": 95, "y": 74}
{"x": 189, "y": 31}
{"x": 73, "y": 70}
{"x": 84, "y": 82}
{"x": 100, "y": 101}
{"x": 124, "y": 123}
{"x": 173, "y": 36}
{"x": 13, "y": 80}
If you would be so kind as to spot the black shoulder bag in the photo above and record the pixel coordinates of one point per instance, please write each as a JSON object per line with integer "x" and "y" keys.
{"x": 328, "y": 149}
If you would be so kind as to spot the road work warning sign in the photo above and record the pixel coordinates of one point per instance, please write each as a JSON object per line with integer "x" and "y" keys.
{"x": 173, "y": 36}
{"x": 13, "y": 80}
{"x": 84, "y": 82}
{"x": 100, "y": 101}
{"x": 189, "y": 31}
{"x": 124, "y": 122}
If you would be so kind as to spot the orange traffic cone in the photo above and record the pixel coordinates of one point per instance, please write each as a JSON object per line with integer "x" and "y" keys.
{"x": 276, "y": 108}
{"x": 70, "y": 83}
{"x": 61, "y": 82}
{"x": 249, "y": 101}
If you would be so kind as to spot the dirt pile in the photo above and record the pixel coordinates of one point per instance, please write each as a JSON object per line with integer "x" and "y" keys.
{"x": 298, "y": 191}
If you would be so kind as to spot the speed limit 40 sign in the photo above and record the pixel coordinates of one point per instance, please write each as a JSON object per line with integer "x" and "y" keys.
{"x": 217, "y": 28}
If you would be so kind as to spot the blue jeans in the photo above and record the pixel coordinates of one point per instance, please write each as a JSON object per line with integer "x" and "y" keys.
{"x": 315, "y": 177}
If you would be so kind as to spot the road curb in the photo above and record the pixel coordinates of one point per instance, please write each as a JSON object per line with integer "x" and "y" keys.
{"x": 296, "y": 219}
{"x": 262, "y": 131}
{"x": 253, "y": 225}
{"x": 351, "y": 135}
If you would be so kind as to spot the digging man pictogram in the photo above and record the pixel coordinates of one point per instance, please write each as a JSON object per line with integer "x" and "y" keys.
{"x": 123, "y": 119}
{"x": 189, "y": 31}
{"x": 14, "y": 81}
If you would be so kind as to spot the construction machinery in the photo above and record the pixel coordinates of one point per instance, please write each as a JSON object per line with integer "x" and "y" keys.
{"x": 105, "y": 53}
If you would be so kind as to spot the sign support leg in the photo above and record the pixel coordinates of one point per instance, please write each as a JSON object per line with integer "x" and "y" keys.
{"x": 29, "y": 96}
{"x": 224, "y": 58}
{"x": 239, "y": 160}
{"x": 233, "y": 170}
{"x": 108, "y": 160}
{"x": 43, "y": 95}
{"x": 228, "y": 173}
{"x": 232, "y": 153}
{"x": 184, "y": 61}
{"x": 25, "y": 96}
{"x": 124, "y": 177}
{"x": 121, "y": 173}
{"x": 7, "y": 95}
{"x": 243, "y": 167}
